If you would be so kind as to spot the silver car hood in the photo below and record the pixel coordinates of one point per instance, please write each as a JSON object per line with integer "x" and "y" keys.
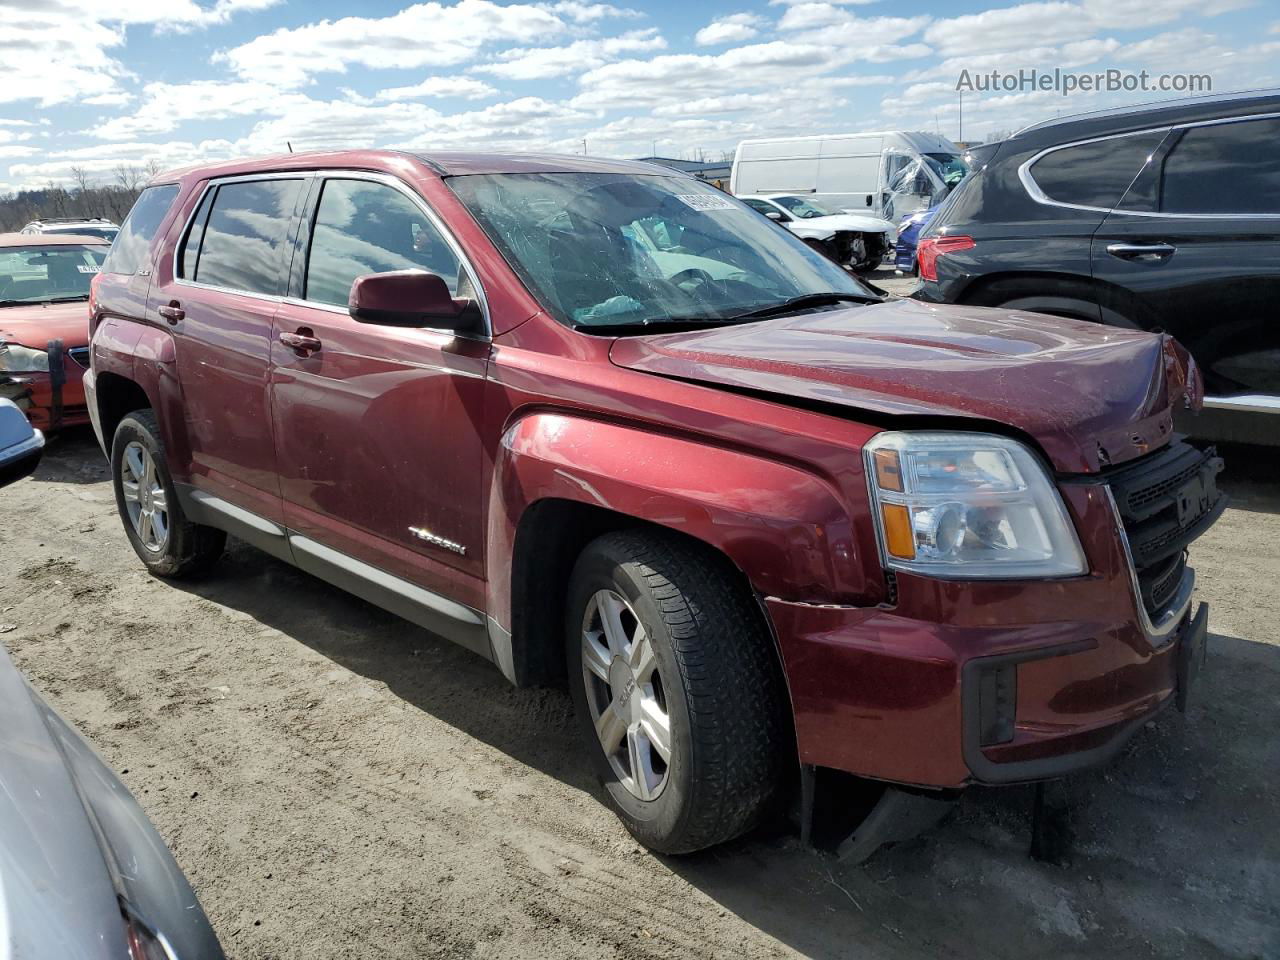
{"x": 74, "y": 843}
{"x": 56, "y": 894}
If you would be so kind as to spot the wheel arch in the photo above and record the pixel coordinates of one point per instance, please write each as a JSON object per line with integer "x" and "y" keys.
{"x": 561, "y": 481}
{"x": 134, "y": 367}
{"x": 1070, "y": 295}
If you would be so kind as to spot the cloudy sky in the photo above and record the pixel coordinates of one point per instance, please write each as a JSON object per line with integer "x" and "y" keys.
{"x": 91, "y": 84}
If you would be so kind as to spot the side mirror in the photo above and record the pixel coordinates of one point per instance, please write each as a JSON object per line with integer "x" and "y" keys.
{"x": 773, "y": 215}
{"x": 20, "y": 444}
{"x": 411, "y": 298}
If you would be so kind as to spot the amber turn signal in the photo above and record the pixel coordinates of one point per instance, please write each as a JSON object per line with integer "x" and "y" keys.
{"x": 897, "y": 531}
{"x": 888, "y": 470}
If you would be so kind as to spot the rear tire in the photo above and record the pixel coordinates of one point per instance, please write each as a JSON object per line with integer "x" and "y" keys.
{"x": 685, "y": 688}
{"x": 161, "y": 535}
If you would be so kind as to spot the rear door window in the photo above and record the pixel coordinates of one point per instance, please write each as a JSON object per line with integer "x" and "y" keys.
{"x": 246, "y": 237}
{"x": 131, "y": 250}
{"x": 1094, "y": 174}
{"x": 1224, "y": 168}
{"x": 363, "y": 227}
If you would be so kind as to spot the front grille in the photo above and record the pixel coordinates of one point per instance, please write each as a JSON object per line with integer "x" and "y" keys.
{"x": 80, "y": 355}
{"x": 1166, "y": 500}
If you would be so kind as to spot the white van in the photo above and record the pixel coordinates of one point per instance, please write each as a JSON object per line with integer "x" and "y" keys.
{"x": 889, "y": 174}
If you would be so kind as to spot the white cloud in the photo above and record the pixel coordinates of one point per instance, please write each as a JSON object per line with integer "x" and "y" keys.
{"x": 423, "y": 35}
{"x": 1010, "y": 28}
{"x": 538, "y": 63}
{"x": 467, "y": 88}
{"x": 65, "y": 50}
{"x": 734, "y": 28}
{"x": 591, "y": 12}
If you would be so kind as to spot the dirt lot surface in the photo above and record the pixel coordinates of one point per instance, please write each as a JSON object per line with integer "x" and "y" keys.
{"x": 337, "y": 783}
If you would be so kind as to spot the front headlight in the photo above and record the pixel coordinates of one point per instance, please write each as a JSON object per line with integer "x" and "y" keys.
{"x": 15, "y": 358}
{"x": 968, "y": 505}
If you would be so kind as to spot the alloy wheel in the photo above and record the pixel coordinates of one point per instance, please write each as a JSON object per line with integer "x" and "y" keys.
{"x": 625, "y": 695}
{"x": 144, "y": 497}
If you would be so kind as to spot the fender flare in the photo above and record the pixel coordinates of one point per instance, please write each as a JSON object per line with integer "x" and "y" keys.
{"x": 786, "y": 528}
{"x": 146, "y": 356}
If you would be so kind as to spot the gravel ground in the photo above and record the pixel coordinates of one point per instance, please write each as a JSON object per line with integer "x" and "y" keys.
{"x": 338, "y": 783}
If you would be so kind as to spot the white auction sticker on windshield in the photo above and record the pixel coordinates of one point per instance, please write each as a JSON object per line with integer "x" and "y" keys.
{"x": 705, "y": 201}
{"x": 88, "y": 269}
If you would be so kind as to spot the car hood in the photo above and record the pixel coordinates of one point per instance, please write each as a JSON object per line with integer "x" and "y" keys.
{"x": 73, "y": 841}
{"x": 1088, "y": 395}
{"x": 56, "y": 894}
{"x": 862, "y": 223}
{"x": 37, "y": 324}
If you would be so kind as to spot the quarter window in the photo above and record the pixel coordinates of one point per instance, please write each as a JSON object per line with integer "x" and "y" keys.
{"x": 1094, "y": 174}
{"x": 132, "y": 247}
{"x": 363, "y": 227}
{"x": 246, "y": 236}
{"x": 1224, "y": 168}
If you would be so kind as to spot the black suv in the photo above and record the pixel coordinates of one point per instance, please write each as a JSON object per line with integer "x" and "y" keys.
{"x": 1164, "y": 217}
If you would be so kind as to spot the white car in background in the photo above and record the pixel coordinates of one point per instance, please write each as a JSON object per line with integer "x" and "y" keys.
{"x": 858, "y": 241}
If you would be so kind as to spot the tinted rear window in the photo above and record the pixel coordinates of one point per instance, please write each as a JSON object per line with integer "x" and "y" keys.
{"x": 129, "y": 252}
{"x": 1225, "y": 168}
{"x": 246, "y": 236}
{"x": 1094, "y": 174}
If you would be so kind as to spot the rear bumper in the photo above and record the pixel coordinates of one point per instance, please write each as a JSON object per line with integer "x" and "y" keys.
{"x": 890, "y": 697}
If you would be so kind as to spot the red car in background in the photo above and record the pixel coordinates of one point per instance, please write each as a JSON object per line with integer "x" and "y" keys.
{"x": 44, "y": 323}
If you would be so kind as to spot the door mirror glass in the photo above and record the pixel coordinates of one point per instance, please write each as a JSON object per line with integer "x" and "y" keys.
{"x": 409, "y": 298}
{"x": 20, "y": 444}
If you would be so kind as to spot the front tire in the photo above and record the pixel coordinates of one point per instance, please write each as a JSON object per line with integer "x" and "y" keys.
{"x": 161, "y": 535}
{"x": 678, "y": 689}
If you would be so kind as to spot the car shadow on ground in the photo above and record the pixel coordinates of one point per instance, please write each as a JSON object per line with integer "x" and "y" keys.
{"x": 72, "y": 456}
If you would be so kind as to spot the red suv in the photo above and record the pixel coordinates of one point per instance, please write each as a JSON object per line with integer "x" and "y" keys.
{"x": 605, "y": 425}
{"x": 44, "y": 329}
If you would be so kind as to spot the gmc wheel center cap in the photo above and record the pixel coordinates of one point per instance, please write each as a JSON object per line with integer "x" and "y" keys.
{"x": 622, "y": 681}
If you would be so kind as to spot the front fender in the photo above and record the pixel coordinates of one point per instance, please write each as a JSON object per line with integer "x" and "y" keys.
{"x": 784, "y": 527}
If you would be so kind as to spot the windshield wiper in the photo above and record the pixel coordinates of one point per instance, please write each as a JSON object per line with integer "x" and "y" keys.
{"x": 808, "y": 300}
{"x": 32, "y": 303}
{"x": 667, "y": 324}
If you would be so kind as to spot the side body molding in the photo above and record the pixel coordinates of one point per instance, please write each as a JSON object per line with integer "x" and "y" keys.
{"x": 784, "y": 526}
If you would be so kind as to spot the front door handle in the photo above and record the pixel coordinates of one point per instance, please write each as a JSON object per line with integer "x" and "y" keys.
{"x": 304, "y": 342}
{"x": 1146, "y": 252}
{"x": 171, "y": 311}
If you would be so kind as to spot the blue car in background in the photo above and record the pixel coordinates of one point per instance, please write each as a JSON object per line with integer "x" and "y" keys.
{"x": 909, "y": 230}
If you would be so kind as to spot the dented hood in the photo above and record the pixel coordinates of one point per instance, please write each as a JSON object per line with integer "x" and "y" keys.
{"x": 35, "y": 325}
{"x": 1089, "y": 395}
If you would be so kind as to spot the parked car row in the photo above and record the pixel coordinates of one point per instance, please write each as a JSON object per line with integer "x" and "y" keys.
{"x": 607, "y": 426}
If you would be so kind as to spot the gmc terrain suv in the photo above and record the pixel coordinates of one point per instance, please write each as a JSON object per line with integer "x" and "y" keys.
{"x": 1163, "y": 217}
{"x": 605, "y": 425}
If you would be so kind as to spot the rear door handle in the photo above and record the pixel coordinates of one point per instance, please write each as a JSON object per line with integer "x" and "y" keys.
{"x": 1147, "y": 252}
{"x": 171, "y": 311}
{"x": 302, "y": 341}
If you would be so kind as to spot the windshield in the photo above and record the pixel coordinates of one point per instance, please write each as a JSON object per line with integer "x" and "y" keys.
{"x": 604, "y": 249}
{"x": 38, "y": 274}
{"x": 802, "y": 208}
{"x": 949, "y": 167}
